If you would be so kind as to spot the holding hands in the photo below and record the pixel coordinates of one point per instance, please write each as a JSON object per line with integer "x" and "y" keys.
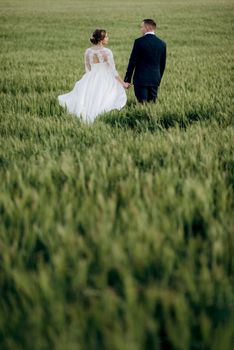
{"x": 127, "y": 85}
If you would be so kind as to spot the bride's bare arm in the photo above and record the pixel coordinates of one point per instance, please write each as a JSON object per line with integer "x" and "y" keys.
{"x": 125, "y": 85}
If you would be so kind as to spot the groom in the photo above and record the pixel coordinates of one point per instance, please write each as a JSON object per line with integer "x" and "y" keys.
{"x": 148, "y": 61}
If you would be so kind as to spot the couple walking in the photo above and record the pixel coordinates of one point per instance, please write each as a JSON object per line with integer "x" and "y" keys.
{"x": 101, "y": 89}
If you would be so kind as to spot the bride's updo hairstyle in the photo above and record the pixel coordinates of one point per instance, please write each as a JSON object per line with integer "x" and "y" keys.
{"x": 98, "y": 35}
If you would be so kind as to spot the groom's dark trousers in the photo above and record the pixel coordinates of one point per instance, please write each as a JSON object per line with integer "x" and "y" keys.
{"x": 146, "y": 93}
{"x": 147, "y": 61}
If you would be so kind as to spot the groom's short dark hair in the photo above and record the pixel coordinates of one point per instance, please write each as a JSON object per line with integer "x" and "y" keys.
{"x": 150, "y": 22}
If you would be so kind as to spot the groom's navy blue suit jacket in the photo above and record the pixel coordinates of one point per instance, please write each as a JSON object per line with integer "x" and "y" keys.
{"x": 147, "y": 60}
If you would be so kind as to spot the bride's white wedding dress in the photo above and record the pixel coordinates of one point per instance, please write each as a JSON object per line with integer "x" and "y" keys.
{"x": 97, "y": 91}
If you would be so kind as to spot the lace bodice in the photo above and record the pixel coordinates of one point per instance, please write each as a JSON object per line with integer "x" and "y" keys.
{"x": 99, "y": 55}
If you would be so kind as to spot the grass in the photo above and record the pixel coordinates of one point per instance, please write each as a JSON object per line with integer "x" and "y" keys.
{"x": 116, "y": 235}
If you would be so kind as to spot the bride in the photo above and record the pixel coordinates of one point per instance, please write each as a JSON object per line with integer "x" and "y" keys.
{"x": 101, "y": 89}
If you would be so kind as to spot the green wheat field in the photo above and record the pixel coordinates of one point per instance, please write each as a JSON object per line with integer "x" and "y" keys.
{"x": 116, "y": 235}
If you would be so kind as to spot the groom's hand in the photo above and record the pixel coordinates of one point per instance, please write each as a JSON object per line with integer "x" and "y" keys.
{"x": 128, "y": 85}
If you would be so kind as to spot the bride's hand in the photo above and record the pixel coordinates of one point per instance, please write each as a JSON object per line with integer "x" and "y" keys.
{"x": 126, "y": 85}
